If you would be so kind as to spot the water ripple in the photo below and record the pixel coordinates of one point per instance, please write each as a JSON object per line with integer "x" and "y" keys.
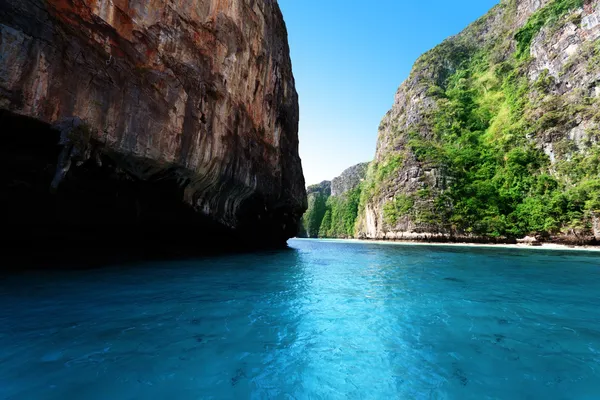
{"x": 322, "y": 320}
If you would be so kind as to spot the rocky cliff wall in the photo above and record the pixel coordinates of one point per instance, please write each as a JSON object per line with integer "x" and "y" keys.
{"x": 349, "y": 179}
{"x": 495, "y": 134}
{"x": 323, "y": 188}
{"x": 197, "y": 95}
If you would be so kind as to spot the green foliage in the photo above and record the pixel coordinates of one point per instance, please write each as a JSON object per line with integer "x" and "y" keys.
{"x": 391, "y": 164}
{"x": 499, "y": 186}
{"x": 582, "y": 171}
{"x": 546, "y": 15}
{"x": 400, "y": 206}
{"x": 332, "y": 217}
{"x": 317, "y": 206}
{"x": 544, "y": 82}
{"x": 485, "y": 135}
{"x": 594, "y": 58}
{"x": 340, "y": 218}
{"x": 481, "y": 128}
{"x": 368, "y": 187}
{"x": 442, "y": 59}
{"x": 427, "y": 151}
{"x": 325, "y": 225}
{"x": 580, "y": 166}
{"x": 587, "y": 195}
{"x": 435, "y": 91}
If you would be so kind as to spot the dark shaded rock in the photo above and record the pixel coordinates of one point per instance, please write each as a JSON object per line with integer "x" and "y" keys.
{"x": 148, "y": 125}
{"x": 323, "y": 188}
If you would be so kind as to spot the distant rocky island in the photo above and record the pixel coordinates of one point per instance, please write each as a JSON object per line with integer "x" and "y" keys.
{"x": 131, "y": 124}
{"x": 495, "y": 136}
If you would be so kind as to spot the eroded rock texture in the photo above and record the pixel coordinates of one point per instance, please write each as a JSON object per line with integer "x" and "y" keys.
{"x": 349, "y": 179}
{"x": 167, "y": 112}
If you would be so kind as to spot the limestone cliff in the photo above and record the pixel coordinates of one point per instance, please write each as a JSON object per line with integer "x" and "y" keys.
{"x": 495, "y": 134}
{"x": 153, "y": 113}
{"x": 349, "y": 179}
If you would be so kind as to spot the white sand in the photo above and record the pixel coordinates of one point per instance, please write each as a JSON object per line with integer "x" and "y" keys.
{"x": 547, "y": 246}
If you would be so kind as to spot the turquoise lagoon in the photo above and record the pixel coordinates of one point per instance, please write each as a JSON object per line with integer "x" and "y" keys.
{"x": 320, "y": 320}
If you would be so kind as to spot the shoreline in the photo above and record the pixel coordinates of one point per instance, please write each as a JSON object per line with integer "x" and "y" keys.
{"x": 543, "y": 246}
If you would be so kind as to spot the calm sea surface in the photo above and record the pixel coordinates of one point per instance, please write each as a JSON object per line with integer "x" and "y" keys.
{"x": 322, "y": 320}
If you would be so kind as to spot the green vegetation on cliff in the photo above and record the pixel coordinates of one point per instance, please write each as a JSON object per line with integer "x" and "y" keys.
{"x": 547, "y": 15}
{"x": 333, "y": 206}
{"x": 341, "y": 214}
{"x": 317, "y": 206}
{"x": 503, "y": 185}
{"x": 497, "y": 146}
{"x": 313, "y": 217}
{"x": 399, "y": 207}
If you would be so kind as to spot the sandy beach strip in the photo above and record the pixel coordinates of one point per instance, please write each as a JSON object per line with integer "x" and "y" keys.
{"x": 543, "y": 246}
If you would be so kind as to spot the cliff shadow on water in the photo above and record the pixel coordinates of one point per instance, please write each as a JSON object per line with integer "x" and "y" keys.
{"x": 99, "y": 214}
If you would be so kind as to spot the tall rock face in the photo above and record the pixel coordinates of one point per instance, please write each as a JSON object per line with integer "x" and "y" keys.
{"x": 495, "y": 134}
{"x": 150, "y": 113}
{"x": 349, "y": 179}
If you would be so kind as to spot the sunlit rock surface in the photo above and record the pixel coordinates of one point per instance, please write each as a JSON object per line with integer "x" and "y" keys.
{"x": 559, "y": 78}
{"x": 192, "y": 100}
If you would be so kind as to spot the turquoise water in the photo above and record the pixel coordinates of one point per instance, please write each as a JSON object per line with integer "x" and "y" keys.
{"x": 322, "y": 320}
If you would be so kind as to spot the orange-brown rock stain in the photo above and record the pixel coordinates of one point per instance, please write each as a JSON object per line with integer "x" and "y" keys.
{"x": 193, "y": 83}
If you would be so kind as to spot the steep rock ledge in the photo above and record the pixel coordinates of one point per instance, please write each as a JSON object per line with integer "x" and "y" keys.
{"x": 192, "y": 101}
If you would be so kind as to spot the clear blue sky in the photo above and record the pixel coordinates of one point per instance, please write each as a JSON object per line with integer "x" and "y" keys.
{"x": 349, "y": 57}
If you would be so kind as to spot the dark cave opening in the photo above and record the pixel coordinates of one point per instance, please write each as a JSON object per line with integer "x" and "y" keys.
{"x": 100, "y": 213}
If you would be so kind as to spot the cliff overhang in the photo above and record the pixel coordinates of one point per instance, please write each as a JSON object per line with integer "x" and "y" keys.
{"x": 175, "y": 123}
